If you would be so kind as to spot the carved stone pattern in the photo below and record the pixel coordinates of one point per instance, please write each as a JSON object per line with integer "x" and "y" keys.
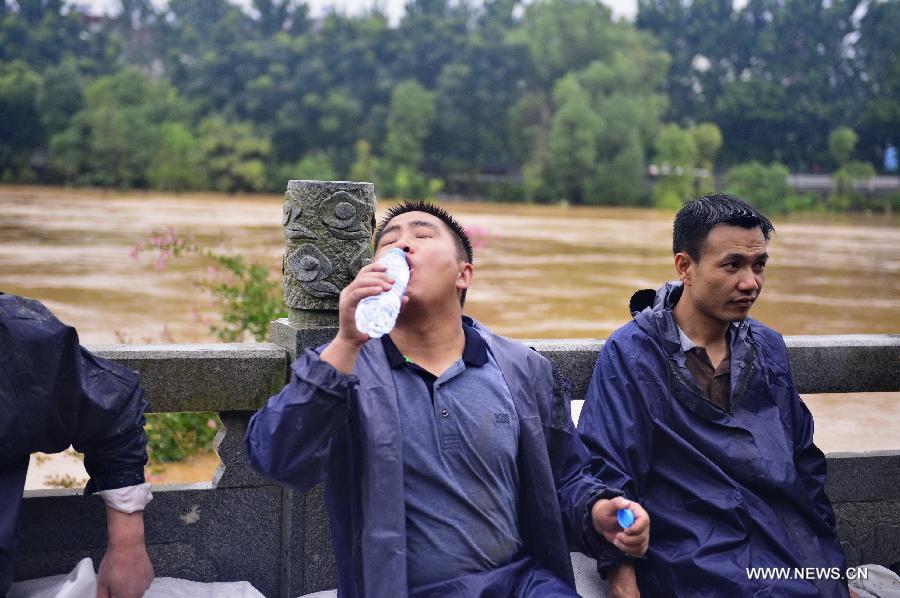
{"x": 344, "y": 217}
{"x": 327, "y": 230}
{"x": 311, "y": 267}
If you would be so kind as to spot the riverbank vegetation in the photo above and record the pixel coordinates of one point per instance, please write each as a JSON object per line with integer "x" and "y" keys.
{"x": 550, "y": 100}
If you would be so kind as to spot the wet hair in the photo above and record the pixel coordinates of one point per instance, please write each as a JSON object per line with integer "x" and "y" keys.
{"x": 698, "y": 216}
{"x": 463, "y": 244}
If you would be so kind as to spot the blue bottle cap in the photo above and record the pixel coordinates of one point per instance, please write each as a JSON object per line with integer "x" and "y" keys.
{"x": 625, "y": 517}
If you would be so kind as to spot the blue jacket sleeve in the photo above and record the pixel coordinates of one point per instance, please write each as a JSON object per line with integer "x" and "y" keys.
{"x": 577, "y": 489}
{"x": 808, "y": 458}
{"x": 59, "y": 394}
{"x": 616, "y": 428}
{"x": 811, "y": 465}
{"x": 291, "y": 440}
{"x": 110, "y": 428}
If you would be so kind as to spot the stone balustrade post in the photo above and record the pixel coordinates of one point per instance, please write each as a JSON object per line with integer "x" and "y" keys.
{"x": 328, "y": 230}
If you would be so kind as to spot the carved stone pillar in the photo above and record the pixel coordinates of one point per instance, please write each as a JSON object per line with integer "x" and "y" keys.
{"x": 327, "y": 238}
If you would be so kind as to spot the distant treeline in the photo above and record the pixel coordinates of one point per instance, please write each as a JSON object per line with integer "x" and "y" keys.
{"x": 544, "y": 100}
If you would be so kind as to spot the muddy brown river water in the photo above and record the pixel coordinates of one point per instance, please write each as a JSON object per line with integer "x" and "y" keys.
{"x": 541, "y": 272}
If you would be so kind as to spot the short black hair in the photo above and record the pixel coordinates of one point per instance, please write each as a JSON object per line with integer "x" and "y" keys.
{"x": 698, "y": 216}
{"x": 463, "y": 244}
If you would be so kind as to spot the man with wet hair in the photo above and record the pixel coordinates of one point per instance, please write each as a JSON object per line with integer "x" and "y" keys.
{"x": 692, "y": 411}
{"x": 53, "y": 394}
{"x": 451, "y": 461}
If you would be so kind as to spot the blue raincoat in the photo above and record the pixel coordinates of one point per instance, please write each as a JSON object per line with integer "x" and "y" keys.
{"x": 53, "y": 394}
{"x": 346, "y": 430}
{"x": 726, "y": 489}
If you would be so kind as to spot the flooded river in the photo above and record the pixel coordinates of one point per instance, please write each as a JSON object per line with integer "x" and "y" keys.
{"x": 541, "y": 272}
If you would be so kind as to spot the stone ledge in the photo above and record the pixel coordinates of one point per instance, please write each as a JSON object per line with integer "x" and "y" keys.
{"x": 222, "y": 534}
{"x": 821, "y": 364}
{"x": 863, "y": 477}
{"x": 204, "y": 377}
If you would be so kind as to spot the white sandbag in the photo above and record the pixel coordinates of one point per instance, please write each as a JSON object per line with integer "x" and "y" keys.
{"x": 169, "y": 587}
{"x": 880, "y": 582}
{"x": 82, "y": 583}
{"x": 587, "y": 581}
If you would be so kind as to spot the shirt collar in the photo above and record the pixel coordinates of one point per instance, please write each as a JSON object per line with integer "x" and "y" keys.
{"x": 687, "y": 344}
{"x": 474, "y": 353}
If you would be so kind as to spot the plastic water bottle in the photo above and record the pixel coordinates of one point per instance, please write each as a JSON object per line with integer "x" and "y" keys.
{"x": 377, "y": 315}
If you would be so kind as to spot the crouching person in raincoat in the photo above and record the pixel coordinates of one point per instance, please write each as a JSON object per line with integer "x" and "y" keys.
{"x": 452, "y": 465}
{"x": 53, "y": 394}
{"x": 692, "y": 410}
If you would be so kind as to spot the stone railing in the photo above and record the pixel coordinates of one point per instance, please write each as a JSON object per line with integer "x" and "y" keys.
{"x": 239, "y": 526}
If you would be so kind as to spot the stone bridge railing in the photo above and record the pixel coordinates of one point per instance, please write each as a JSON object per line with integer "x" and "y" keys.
{"x": 239, "y": 526}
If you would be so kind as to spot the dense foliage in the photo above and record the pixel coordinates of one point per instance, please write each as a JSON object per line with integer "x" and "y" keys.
{"x": 541, "y": 100}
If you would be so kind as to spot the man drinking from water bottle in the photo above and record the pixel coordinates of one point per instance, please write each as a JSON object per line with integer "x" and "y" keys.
{"x": 451, "y": 463}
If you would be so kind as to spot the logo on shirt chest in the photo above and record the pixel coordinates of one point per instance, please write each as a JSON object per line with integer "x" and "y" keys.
{"x": 501, "y": 418}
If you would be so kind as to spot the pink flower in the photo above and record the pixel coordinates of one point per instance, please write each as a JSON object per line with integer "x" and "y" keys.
{"x": 162, "y": 259}
{"x": 479, "y": 235}
{"x": 135, "y": 251}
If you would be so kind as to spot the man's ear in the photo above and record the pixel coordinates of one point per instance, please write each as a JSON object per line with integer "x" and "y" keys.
{"x": 684, "y": 267}
{"x": 464, "y": 279}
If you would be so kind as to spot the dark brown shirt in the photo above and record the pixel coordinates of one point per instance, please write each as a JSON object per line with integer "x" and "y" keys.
{"x": 714, "y": 382}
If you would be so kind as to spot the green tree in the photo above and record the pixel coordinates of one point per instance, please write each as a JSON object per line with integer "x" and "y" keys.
{"x": 473, "y": 98}
{"x": 708, "y": 138}
{"x": 841, "y": 143}
{"x": 233, "y": 155}
{"x": 316, "y": 166}
{"x": 178, "y": 162}
{"x": 675, "y": 147}
{"x": 698, "y": 36}
{"x": 42, "y": 33}
{"x": 365, "y": 166}
{"x": 876, "y": 54}
{"x": 625, "y": 94}
{"x": 564, "y": 36}
{"x": 572, "y": 145}
{"x": 20, "y": 127}
{"x": 774, "y": 75}
{"x": 61, "y": 95}
{"x": 676, "y": 157}
{"x": 622, "y": 72}
{"x": 845, "y": 194}
{"x": 117, "y": 134}
{"x": 765, "y": 187}
{"x": 409, "y": 122}
{"x": 428, "y": 38}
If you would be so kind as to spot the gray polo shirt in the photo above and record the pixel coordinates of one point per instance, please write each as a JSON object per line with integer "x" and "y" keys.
{"x": 460, "y": 443}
